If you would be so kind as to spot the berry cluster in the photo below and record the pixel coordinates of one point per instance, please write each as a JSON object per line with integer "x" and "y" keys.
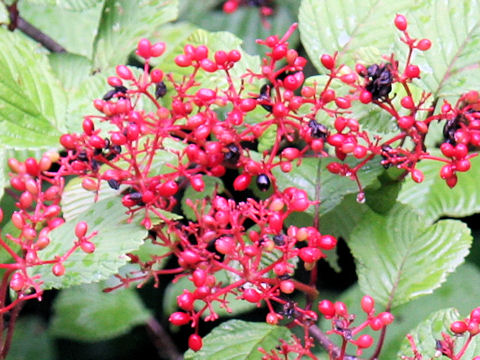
{"x": 342, "y": 322}
{"x": 446, "y": 346}
{"x": 189, "y": 131}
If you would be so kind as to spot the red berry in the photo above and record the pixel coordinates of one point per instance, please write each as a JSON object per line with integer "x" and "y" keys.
{"x": 185, "y": 300}
{"x": 183, "y": 60}
{"x": 417, "y": 176}
{"x": 424, "y": 45}
{"x": 208, "y": 65}
{"x": 199, "y": 277}
{"x": 407, "y": 102}
{"x": 386, "y": 318}
{"x": 234, "y": 55}
{"x": 169, "y": 188}
{"x": 272, "y": 319}
{"x": 447, "y": 149}
{"x": 446, "y": 172}
{"x": 340, "y": 308}
{"x": 287, "y": 286}
{"x": 143, "y": 48}
{"x": 81, "y": 229}
{"x": 327, "y": 308}
{"x": 401, "y": 22}
{"x": 195, "y": 342}
{"x": 327, "y": 61}
{"x": 364, "y": 341}
{"x": 251, "y": 295}
{"x": 461, "y": 150}
{"x": 87, "y": 246}
{"x": 124, "y": 72}
{"x": 279, "y": 51}
{"x": 225, "y": 245}
{"x": 197, "y": 183}
{"x": 156, "y": 75}
{"x": 452, "y": 181}
{"x": 475, "y": 314}
{"x": 242, "y": 182}
{"x": 458, "y": 327}
{"x": 310, "y": 254}
{"x": 367, "y": 304}
{"x": 365, "y": 97}
{"x": 179, "y": 318}
{"x": 190, "y": 257}
{"x": 58, "y": 269}
{"x": 342, "y": 103}
{"x": 412, "y": 71}
{"x": 327, "y": 242}
{"x": 157, "y": 49}
{"x": 375, "y": 323}
{"x": 220, "y": 57}
{"x": 17, "y": 282}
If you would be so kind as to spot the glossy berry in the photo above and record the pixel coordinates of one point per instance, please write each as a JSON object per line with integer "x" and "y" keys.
{"x": 185, "y": 300}
{"x": 179, "y": 318}
{"x": 81, "y": 229}
{"x": 327, "y": 61}
{"x": 327, "y": 308}
{"x": 401, "y": 22}
{"x": 251, "y": 295}
{"x": 424, "y": 45}
{"x": 195, "y": 342}
{"x": 58, "y": 269}
{"x": 412, "y": 71}
{"x": 263, "y": 182}
{"x": 364, "y": 341}
{"x": 242, "y": 182}
{"x": 458, "y": 327}
{"x": 367, "y": 304}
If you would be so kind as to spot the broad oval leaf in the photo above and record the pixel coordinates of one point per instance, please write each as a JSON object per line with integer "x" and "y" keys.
{"x": 434, "y": 199}
{"x": 116, "y": 237}
{"x": 32, "y": 103}
{"x": 239, "y": 340}
{"x": 87, "y": 313}
{"x": 399, "y": 258}
{"x": 123, "y": 23}
{"x": 30, "y": 339}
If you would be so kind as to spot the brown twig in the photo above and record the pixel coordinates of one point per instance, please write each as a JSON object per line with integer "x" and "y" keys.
{"x": 328, "y": 345}
{"x": 17, "y": 22}
{"x": 162, "y": 341}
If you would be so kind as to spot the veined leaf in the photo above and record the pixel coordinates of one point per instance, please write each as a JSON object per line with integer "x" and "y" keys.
{"x": 239, "y": 340}
{"x": 333, "y": 188}
{"x": 347, "y": 26}
{"x": 32, "y": 103}
{"x": 116, "y": 237}
{"x": 399, "y": 258}
{"x": 434, "y": 199}
{"x": 87, "y": 313}
{"x": 123, "y": 23}
{"x": 430, "y": 330}
{"x": 74, "y": 5}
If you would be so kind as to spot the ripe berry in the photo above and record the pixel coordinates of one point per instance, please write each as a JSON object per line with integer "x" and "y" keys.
{"x": 234, "y": 55}
{"x": 287, "y": 286}
{"x": 17, "y": 282}
{"x": 327, "y": 308}
{"x": 157, "y": 49}
{"x": 365, "y": 97}
{"x": 342, "y": 103}
{"x": 412, "y": 71}
{"x": 185, "y": 300}
{"x": 424, "y": 45}
{"x": 225, "y": 245}
{"x": 327, "y": 242}
{"x": 401, "y": 22}
{"x": 386, "y": 318}
{"x": 87, "y": 246}
{"x": 183, "y": 60}
{"x": 143, "y": 48}
{"x": 310, "y": 254}
{"x": 197, "y": 183}
{"x": 251, "y": 295}
{"x": 407, "y": 102}
{"x": 340, "y": 308}
{"x": 364, "y": 341}
{"x": 367, "y": 304}
{"x": 458, "y": 327}
{"x": 263, "y": 182}
{"x": 58, "y": 269}
{"x": 327, "y": 61}
{"x": 241, "y": 182}
{"x": 417, "y": 176}
{"x": 124, "y": 72}
{"x": 195, "y": 342}
{"x": 272, "y": 319}
{"x": 179, "y": 318}
{"x": 81, "y": 229}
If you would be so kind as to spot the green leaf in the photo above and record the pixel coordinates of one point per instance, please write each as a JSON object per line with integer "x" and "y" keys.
{"x": 87, "y": 313}
{"x": 212, "y": 185}
{"x": 70, "y": 69}
{"x": 123, "y": 23}
{"x": 428, "y": 331}
{"x": 32, "y": 103}
{"x": 434, "y": 199}
{"x": 74, "y": 30}
{"x": 239, "y": 340}
{"x": 76, "y": 200}
{"x": 344, "y": 26}
{"x": 116, "y": 237}
{"x": 73, "y": 5}
{"x": 238, "y": 306}
{"x": 333, "y": 188}
{"x": 399, "y": 258}
{"x": 30, "y": 339}
{"x": 463, "y": 281}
